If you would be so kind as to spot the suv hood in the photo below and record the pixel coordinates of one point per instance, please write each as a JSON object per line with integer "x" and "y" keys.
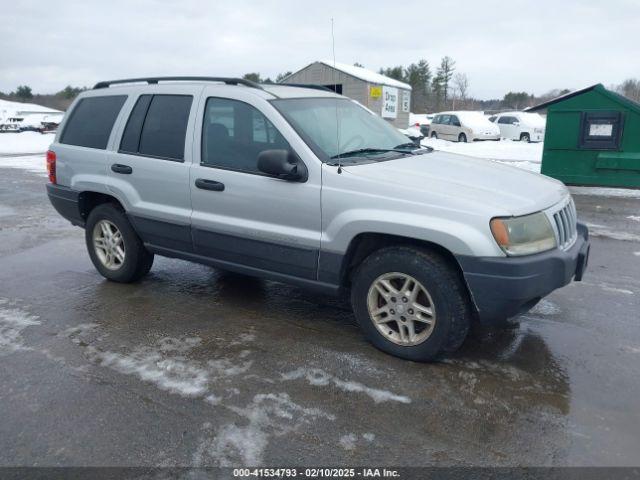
{"x": 503, "y": 189}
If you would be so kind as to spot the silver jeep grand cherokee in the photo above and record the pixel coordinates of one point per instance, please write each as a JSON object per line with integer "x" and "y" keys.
{"x": 304, "y": 186}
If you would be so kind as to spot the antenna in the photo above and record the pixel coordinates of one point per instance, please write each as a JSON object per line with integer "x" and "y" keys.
{"x": 335, "y": 89}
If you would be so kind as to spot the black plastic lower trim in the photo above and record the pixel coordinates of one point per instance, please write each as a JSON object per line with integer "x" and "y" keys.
{"x": 309, "y": 284}
{"x": 165, "y": 234}
{"x": 503, "y": 287}
{"x": 285, "y": 259}
{"x": 66, "y": 202}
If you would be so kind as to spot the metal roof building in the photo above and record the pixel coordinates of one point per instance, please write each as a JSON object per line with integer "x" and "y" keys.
{"x": 389, "y": 98}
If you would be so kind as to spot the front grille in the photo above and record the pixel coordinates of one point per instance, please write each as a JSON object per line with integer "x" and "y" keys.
{"x": 565, "y": 224}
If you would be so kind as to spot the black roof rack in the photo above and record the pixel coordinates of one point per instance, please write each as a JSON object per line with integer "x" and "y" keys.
{"x": 155, "y": 80}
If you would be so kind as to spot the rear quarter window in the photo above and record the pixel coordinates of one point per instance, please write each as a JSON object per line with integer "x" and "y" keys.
{"x": 92, "y": 120}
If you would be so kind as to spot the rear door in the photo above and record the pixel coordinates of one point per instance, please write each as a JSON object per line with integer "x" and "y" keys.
{"x": 242, "y": 217}
{"x": 149, "y": 170}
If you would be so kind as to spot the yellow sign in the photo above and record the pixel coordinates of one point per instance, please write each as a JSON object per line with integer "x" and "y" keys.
{"x": 375, "y": 92}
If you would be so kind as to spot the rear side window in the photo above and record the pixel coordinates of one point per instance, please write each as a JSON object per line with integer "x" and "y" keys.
{"x": 157, "y": 126}
{"x": 91, "y": 121}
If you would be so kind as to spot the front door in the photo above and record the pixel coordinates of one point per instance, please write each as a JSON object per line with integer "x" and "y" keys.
{"x": 241, "y": 217}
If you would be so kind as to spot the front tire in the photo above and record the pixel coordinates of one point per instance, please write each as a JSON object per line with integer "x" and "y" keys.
{"x": 410, "y": 303}
{"x": 462, "y": 138}
{"x": 434, "y": 135}
{"x": 114, "y": 247}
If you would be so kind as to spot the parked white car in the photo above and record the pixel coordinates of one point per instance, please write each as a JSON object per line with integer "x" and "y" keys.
{"x": 463, "y": 127}
{"x": 523, "y": 126}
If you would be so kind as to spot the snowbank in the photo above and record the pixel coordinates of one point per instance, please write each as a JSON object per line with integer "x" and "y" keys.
{"x": 606, "y": 192}
{"x": 30, "y": 163}
{"x": 527, "y": 156}
{"x": 17, "y": 109}
{"x": 25, "y": 142}
{"x": 504, "y": 150}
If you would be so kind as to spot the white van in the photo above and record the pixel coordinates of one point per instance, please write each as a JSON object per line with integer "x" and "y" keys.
{"x": 463, "y": 127}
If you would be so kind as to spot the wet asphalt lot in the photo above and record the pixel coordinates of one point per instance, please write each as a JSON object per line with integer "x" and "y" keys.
{"x": 195, "y": 367}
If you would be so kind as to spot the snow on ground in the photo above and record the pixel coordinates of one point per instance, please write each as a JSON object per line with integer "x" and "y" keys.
{"x": 9, "y": 108}
{"x": 504, "y": 150}
{"x": 527, "y": 156}
{"x": 31, "y": 163}
{"x": 24, "y": 142}
{"x": 606, "y": 192}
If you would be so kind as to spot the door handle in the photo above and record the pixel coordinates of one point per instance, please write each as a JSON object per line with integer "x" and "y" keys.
{"x": 119, "y": 168}
{"x": 209, "y": 185}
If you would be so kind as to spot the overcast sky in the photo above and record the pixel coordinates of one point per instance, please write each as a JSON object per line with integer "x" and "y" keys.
{"x": 501, "y": 45}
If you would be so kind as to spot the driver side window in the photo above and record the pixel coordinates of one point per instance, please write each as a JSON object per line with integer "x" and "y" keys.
{"x": 234, "y": 133}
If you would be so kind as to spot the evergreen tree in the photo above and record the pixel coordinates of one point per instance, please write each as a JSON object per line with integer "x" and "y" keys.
{"x": 23, "y": 92}
{"x": 444, "y": 76}
{"x": 253, "y": 77}
{"x": 397, "y": 73}
{"x": 418, "y": 75}
{"x": 282, "y": 76}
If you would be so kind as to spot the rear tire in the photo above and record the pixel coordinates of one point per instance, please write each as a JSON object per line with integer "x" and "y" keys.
{"x": 443, "y": 294}
{"x": 434, "y": 135}
{"x": 462, "y": 138}
{"x": 524, "y": 137}
{"x": 114, "y": 247}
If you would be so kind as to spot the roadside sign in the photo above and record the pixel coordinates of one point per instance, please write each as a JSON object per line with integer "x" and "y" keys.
{"x": 375, "y": 92}
{"x": 389, "y": 102}
{"x": 406, "y": 101}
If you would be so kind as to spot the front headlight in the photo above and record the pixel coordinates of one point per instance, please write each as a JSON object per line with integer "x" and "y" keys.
{"x": 538, "y": 130}
{"x": 524, "y": 235}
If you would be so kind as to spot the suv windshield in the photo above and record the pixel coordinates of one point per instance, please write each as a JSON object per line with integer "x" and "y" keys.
{"x": 341, "y": 128}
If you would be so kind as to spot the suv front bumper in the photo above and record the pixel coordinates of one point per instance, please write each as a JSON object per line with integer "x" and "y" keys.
{"x": 503, "y": 287}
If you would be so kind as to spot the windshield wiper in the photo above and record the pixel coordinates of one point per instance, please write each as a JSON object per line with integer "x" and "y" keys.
{"x": 358, "y": 151}
{"x": 412, "y": 146}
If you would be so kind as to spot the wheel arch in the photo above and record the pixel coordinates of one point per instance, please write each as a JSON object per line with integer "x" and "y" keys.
{"x": 364, "y": 244}
{"x": 88, "y": 200}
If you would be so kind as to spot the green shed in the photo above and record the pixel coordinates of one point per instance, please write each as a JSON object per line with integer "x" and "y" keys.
{"x": 592, "y": 138}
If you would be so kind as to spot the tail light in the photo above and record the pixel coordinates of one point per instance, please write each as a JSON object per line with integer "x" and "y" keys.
{"x": 51, "y": 166}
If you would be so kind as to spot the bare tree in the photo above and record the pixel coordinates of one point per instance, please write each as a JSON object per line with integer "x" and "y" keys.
{"x": 630, "y": 88}
{"x": 461, "y": 86}
{"x": 461, "y": 83}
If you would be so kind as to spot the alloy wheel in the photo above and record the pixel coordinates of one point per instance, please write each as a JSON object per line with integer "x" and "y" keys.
{"x": 108, "y": 244}
{"x": 401, "y": 308}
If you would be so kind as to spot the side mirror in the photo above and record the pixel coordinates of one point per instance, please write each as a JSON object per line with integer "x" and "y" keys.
{"x": 282, "y": 164}
{"x": 516, "y": 123}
